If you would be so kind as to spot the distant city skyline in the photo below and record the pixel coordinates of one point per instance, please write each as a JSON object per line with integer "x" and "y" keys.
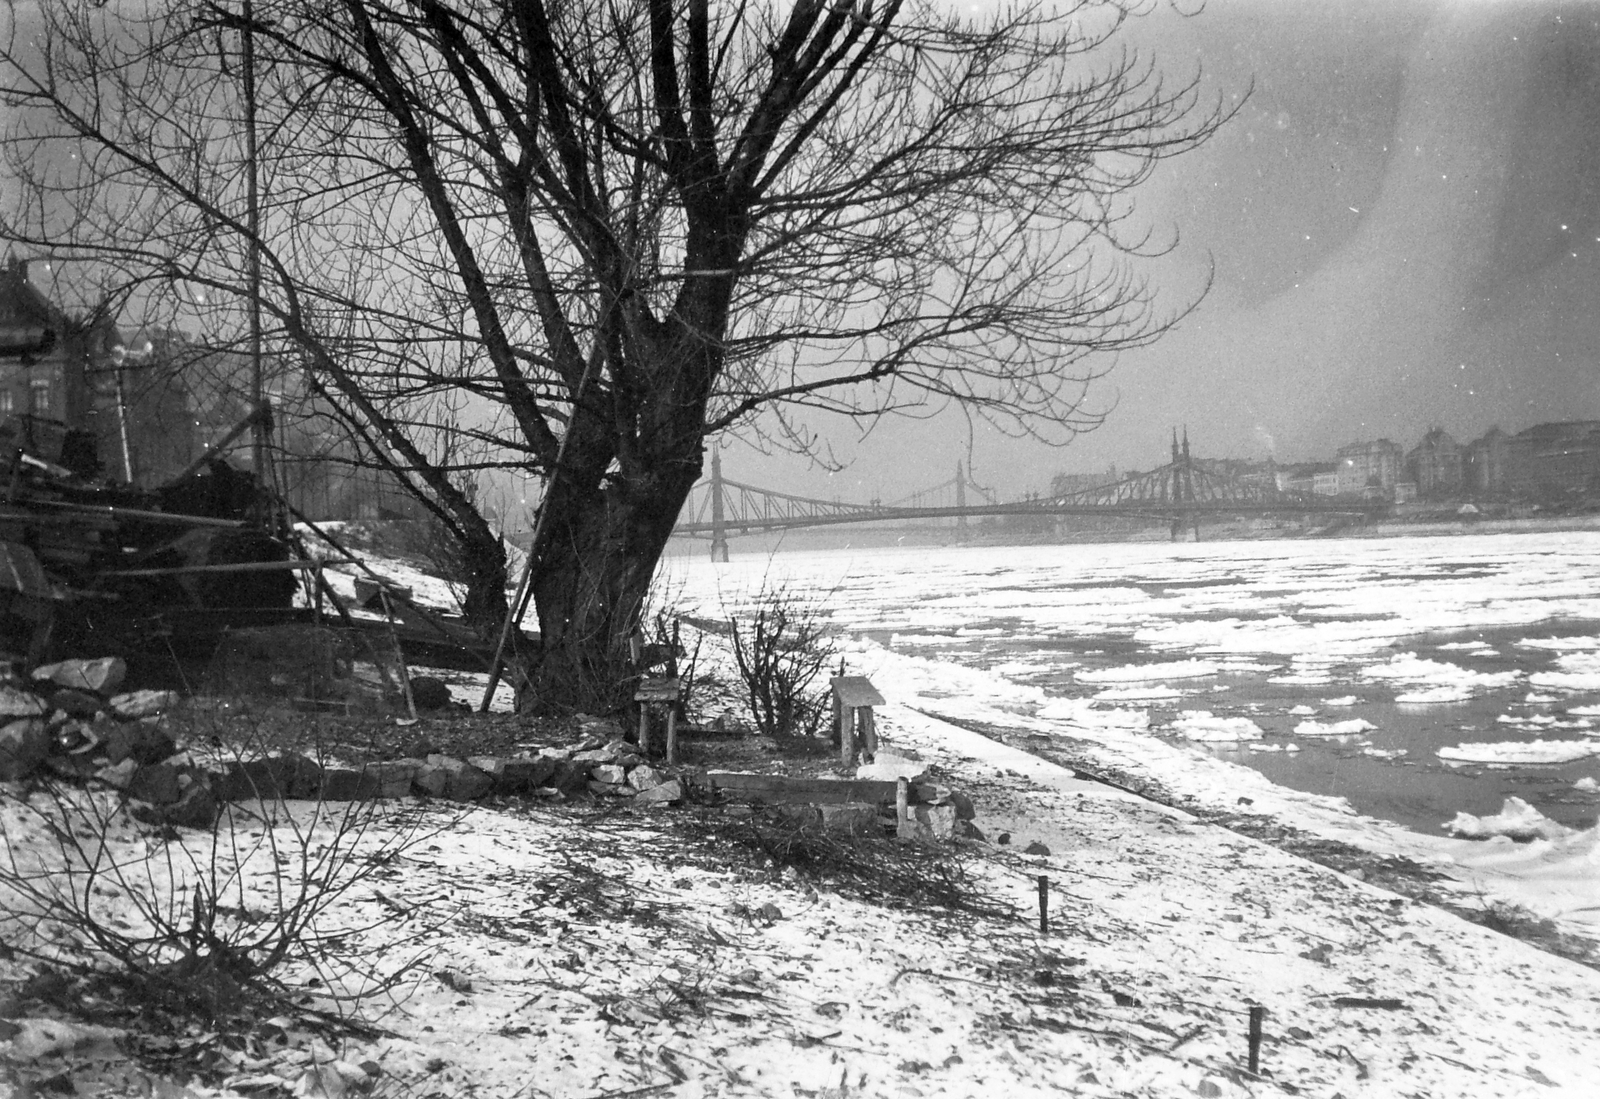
{"x": 1401, "y": 228}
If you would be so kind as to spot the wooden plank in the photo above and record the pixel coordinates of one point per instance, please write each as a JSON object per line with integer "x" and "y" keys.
{"x": 856, "y": 690}
{"x": 656, "y": 690}
{"x": 789, "y": 790}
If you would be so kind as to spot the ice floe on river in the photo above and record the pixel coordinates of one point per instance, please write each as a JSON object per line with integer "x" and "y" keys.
{"x": 1508, "y": 752}
{"x": 1517, "y": 820}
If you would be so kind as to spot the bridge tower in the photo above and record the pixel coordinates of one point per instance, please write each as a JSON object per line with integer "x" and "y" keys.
{"x": 961, "y": 500}
{"x": 719, "y": 525}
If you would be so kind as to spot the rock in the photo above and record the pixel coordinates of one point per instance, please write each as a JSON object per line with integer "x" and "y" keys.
{"x": 609, "y": 773}
{"x": 102, "y": 676}
{"x": 519, "y": 776}
{"x": 610, "y": 789}
{"x": 856, "y": 818}
{"x": 23, "y": 747}
{"x": 596, "y": 755}
{"x": 419, "y": 747}
{"x": 196, "y": 808}
{"x": 75, "y": 702}
{"x": 1036, "y": 848}
{"x": 966, "y": 830}
{"x": 1003, "y": 838}
{"x": 341, "y": 784}
{"x": 644, "y": 777}
{"x": 556, "y": 753}
{"x": 429, "y": 694}
{"x": 145, "y": 743}
{"x": 156, "y": 783}
{"x": 770, "y": 912}
{"x": 928, "y": 823}
{"x": 489, "y": 765}
{"x": 72, "y": 768}
{"x": 19, "y": 703}
{"x": 274, "y": 777}
{"x": 144, "y": 703}
{"x": 570, "y": 777}
{"x": 118, "y": 775}
{"x": 389, "y": 779}
{"x": 664, "y": 794}
{"x": 454, "y": 779}
{"x": 629, "y": 760}
{"x": 965, "y": 810}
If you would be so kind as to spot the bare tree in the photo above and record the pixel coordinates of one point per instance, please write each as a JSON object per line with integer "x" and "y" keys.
{"x": 589, "y": 235}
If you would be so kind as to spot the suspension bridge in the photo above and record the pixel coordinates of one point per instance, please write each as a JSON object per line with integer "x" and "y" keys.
{"x": 1182, "y": 492}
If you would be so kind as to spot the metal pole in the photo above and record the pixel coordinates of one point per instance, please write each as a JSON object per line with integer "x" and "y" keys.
{"x": 258, "y": 437}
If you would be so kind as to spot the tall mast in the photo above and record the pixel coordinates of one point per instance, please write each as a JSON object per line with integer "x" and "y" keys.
{"x": 258, "y": 431}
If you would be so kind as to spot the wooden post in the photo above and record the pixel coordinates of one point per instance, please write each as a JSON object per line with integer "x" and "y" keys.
{"x": 847, "y": 735}
{"x": 1044, "y": 905}
{"x": 902, "y": 799}
{"x": 869, "y": 733}
{"x": 838, "y": 718}
{"x": 672, "y": 733}
{"x": 644, "y": 729}
{"x": 1256, "y": 1014}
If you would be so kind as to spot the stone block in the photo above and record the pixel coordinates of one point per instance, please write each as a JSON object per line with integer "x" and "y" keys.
{"x": 571, "y": 776}
{"x": 609, "y": 773}
{"x": 273, "y": 777}
{"x": 156, "y": 783}
{"x": 72, "y": 768}
{"x": 340, "y": 784}
{"x": 855, "y": 818}
{"x": 24, "y": 745}
{"x": 144, "y": 703}
{"x": 928, "y": 823}
{"x": 521, "y": 775}
{"x": 196, "y": 808}
{"x": 489, "y": 765}
{"x": 664, "y": 794}
{"x": 19, "y": 703}
{"x": 596, "y": 755}
{"x": 644, "y": 777}
{"x": 118, "y": 775}
{"x": 965, "y": 810}
{"x": 454, "y": 779}
{"x": 389, "y": 779}
{"x": 101, "y": 676}
{"x": 144, "y": 743}
{"x": 75, "y": 702}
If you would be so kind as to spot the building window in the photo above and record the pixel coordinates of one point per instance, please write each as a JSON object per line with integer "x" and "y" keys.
{"x": 39, "y": 396}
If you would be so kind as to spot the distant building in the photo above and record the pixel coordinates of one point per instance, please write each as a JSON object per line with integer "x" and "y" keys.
{"x": 1321, "y": 478}
{"x": 1559, "y": 461}
{"x": 1485, "y": 464}
{"x": 1369, "y": 469}
{"x": 45, "y": 355}
{"x": 1436, "y": 466}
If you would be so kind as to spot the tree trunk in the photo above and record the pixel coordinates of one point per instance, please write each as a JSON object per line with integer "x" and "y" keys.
{"x": 602, "y": 544}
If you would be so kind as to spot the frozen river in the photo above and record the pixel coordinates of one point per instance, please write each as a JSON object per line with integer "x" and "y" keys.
{"x": 1414, "y": 677}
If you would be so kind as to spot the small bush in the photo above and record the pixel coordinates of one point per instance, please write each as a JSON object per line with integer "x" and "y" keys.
{"x": 783, "y": 645}
{"x": 203, "y": 920}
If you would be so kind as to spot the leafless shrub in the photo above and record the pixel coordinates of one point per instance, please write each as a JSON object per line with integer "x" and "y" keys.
{"x": 783, "y": 645}
{"x": 208, "y": 920}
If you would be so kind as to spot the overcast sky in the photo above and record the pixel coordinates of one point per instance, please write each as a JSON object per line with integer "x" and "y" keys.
{"x": 1404, "y": 222}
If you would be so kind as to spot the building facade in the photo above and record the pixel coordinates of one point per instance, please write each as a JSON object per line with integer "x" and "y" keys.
{"x": 1436, "y": 465}
{"x": 1369, "y": 469}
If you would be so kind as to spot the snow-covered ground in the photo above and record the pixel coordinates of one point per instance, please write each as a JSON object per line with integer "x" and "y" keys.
{"x": 557, "y": 952}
